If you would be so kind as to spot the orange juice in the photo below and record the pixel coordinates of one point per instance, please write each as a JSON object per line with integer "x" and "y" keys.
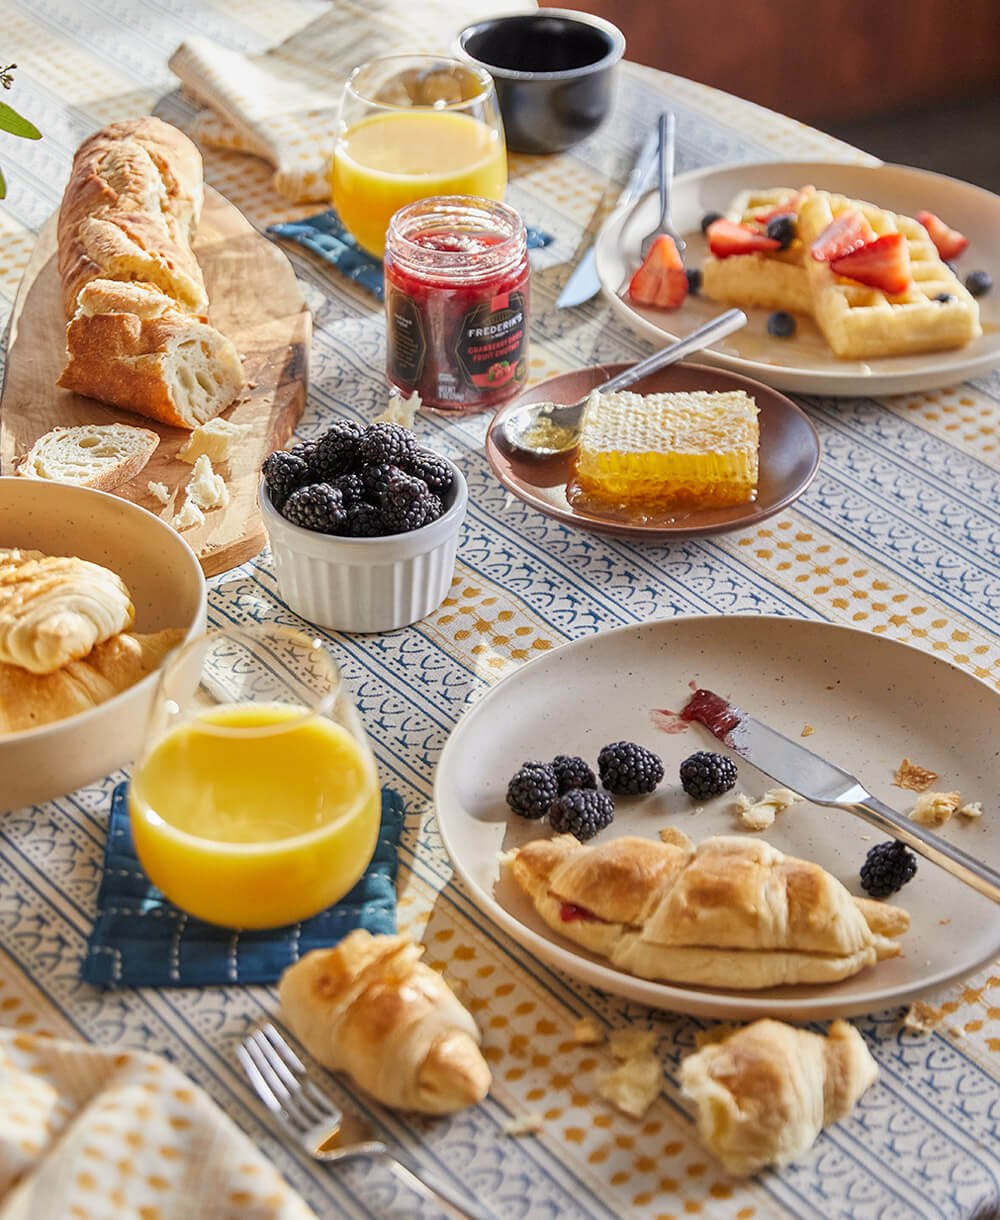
{"x": 388, "y": 160}
{"x": 255, "y": 815}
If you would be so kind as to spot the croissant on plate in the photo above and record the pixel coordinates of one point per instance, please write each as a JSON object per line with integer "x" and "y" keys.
{"x": 733, "y": 912}
{"x": 763, "y": 1094}
{"x": 371, "y": 1008}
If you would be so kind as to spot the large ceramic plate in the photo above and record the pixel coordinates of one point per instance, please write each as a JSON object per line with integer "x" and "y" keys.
{"x": 871, "y": 703}
{"x": 789, "y": 455}
{"x": 804, "y": 362}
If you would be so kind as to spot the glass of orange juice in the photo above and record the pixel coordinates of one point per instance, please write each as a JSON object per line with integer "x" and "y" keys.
{"x": 412, "y": 126}
{"x": 255, "y": 802}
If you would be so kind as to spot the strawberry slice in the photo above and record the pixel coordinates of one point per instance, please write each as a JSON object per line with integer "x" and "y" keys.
{"x": 726, "y": 237}
{"x": 791, "y": 204}
{"x": 950, "y": 243}
{"x": 661, "y": 280}
{"x": 848, "y": 232}
{"x": 883, "y": 263}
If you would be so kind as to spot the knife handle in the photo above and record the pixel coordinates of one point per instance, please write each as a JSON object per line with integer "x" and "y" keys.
{"x": 931, "y": 846}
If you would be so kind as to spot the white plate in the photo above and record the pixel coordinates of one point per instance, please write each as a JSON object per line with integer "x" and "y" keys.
{"x": 804, "y": 362}
{"x": 871, "y": 702}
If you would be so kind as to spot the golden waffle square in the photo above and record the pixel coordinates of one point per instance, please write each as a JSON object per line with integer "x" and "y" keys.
{"x": 769, "y": 279}
{"x": 860, "y": 322}
{"x": 654, "y": 452}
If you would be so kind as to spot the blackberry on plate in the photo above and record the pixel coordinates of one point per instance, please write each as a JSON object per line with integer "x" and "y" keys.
{"x": 945, "y": 298}
{"x": 364, "y": 520}
{"x": 317, "y": 507}
{"x": 336, "y": 450}
{"x": 406, "y": 504}
{"x": 532, "y": 789}
{"x": 710, "y": 218}
{"x": 781, "y": 325}
{"x": 979, "y": 282}
{"x": 694, "y": 280}
{"x": 283, "y": 473}
{"x": 350, "y": 487}
{"x": 385, "y": 442}
{"x": 582, "y": 812}
{"x": 705, "y": 774}
{"x": 572, "y": 772}
{"x": 627, "y": 769}
{"x": 782, "y": 228}
{"x": 887, "y": 868}
{"x": 435, "y": 471}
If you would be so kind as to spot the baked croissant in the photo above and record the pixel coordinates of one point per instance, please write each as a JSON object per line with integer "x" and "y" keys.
{"x": 371, "y": 1008}
{"x": 733, "y": 912}
{"x": 764, "y": 1093}
{"x": 54, "y": 609}
{"x": 28, "y": 700}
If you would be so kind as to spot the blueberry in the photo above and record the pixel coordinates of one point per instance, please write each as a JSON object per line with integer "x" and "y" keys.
{"x": 782, "y": 228}
{"x": 945, "y": 298}
{"x": 709, "y": 218}
{"x": 979, "y": 282}
{"x": 694, "y": 281}
{"x": 781, "y": 325}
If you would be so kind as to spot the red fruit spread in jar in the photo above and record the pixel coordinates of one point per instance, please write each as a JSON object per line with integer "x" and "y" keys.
{"x": 456, "y": 300}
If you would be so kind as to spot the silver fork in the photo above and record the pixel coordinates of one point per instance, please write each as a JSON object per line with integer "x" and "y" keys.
{"x": 668, "y": 126}
{"x": 318, "y": 1125}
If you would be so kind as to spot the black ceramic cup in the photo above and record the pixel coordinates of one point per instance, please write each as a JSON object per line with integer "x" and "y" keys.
{"x": 554, "y": 74}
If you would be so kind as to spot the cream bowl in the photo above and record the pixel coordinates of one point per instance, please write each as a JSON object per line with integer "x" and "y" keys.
{"x": 366, "y": 584}
{"x": 168, "y": 590}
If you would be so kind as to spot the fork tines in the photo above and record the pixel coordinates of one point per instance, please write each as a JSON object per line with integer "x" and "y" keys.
{"x": 278, "y": 1077}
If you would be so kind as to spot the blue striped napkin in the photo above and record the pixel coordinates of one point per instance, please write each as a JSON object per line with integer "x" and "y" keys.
{"x": 326, "y": 236}
{"x": 140, "y": 939}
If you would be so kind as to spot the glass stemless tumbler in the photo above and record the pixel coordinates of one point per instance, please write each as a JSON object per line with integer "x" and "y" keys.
{"x": 255, "y": 802}
{"x": 411, "y": 126}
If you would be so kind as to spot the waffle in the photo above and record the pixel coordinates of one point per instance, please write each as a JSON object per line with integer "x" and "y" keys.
{"x": 860, "y": 322}
{"x": 649, "y": 453}
{"x": 772, "y": 279}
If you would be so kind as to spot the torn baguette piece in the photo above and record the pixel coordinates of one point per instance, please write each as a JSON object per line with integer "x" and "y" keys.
{"x": 102, "y": 456}
{"x": 132, "y": 346}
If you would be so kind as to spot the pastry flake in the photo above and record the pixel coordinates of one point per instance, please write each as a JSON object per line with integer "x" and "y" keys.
{"x": 934, "y": 808}
{"x": 634, "y": 1085}
{"x": 915, "y": 778}
{"x": 760, "y": 814}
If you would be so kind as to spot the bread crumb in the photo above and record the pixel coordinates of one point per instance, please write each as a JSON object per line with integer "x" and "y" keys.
{"x": 760, "y": 814}
{"x": 189, "y": 515}
{"x": 971, "y": 809}
{"x": 400, "y": 410}
{"x": 807, "y": 730}
{"x": 587, "y": 1032}
{"x": 934, "y": 808}
{"x": 865, "y": 838}
{"x": 956, "y": 1031}
{"x": 921, "y": 1017}
{"x": 944, "y": 921}
{"x": 631, "y": 1043}
{"x": 634, "y": 1085}
{"x": 159, "y": 491}
{"x": 671, "y": 834}
{"x": 523, "y": 1124}
{"x": 916, "y": 779}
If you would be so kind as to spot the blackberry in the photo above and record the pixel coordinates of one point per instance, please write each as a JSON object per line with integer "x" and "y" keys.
{"x": 336, "y": 450}
{"x": 694, "y": 280}
{"x": 377, "y": 477}
{"x": 705, "y": 774}
{"x": 709, "y": 218}
{"x": 887, "y": 868}
{"x": 782, "y": 228}
{"x": 979, "y": 282}
{"x": 318, "y": 507}
{"x": 582, "y": 812}
{"x": 627, "y": 769}
{"x": 435, "y": 508}
{"x": 532, "y": 790}
{"x": 284, "y": 472}
{"x": 433, "y": 469}
{"x": 350, "y": 486}
{"x": 364, "y": 520}
{"x": 945, "y": 298}
{"x": 572, "y": 772}
{"x": 781, "y": 325}
{"x": 405, "y": 504}
{"x": 385, "y": 442}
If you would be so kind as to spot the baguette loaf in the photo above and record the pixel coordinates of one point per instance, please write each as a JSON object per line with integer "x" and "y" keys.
{"x": 104, "y": 456}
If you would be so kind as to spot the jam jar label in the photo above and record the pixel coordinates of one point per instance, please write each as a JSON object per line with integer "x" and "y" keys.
{"x": 491, "y": 342}
{"x": 407, "y": 341}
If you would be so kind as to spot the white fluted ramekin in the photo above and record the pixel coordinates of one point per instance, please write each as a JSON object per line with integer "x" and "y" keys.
{"x": 366, "y": 584}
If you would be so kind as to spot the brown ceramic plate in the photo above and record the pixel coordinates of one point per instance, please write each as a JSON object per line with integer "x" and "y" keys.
{"x": 789, "y": 455}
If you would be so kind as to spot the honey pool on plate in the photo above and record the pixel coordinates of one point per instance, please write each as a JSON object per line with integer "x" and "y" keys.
{"x": 255, "y": 815}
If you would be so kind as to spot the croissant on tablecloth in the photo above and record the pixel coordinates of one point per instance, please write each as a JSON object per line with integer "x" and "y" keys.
{"x": 733, "y": 912}
{"x": 371, "y": 1008}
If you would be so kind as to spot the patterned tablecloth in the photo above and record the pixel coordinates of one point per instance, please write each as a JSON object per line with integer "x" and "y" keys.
{"x": 898, "y": 535}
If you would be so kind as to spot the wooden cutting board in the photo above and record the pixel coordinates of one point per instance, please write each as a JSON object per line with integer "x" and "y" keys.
{"x": 255, "y": 301}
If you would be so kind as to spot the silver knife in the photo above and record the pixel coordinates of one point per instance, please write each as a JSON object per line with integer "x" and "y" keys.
{"x": 583, "y": 283}
{"x": 823, "y": 783}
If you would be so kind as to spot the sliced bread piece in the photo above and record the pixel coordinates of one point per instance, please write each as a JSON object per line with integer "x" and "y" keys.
{"x": 103, "y": 456}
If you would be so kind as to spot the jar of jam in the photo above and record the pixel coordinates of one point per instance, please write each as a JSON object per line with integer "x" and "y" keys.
{"x": 456, "y": 301}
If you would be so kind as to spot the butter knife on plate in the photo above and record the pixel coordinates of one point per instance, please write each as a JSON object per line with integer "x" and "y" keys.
{"x": 584, "y": 282}
{"x": 822, "y": 783}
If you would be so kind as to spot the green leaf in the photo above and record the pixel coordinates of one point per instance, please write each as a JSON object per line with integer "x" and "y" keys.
{"x": 11, "y": 121}
{"x": 3, "y": 187}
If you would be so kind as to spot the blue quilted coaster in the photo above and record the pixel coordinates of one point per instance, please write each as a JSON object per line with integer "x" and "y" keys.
{"x": 327, "y": 237}
{"x": 140, "y": 939}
